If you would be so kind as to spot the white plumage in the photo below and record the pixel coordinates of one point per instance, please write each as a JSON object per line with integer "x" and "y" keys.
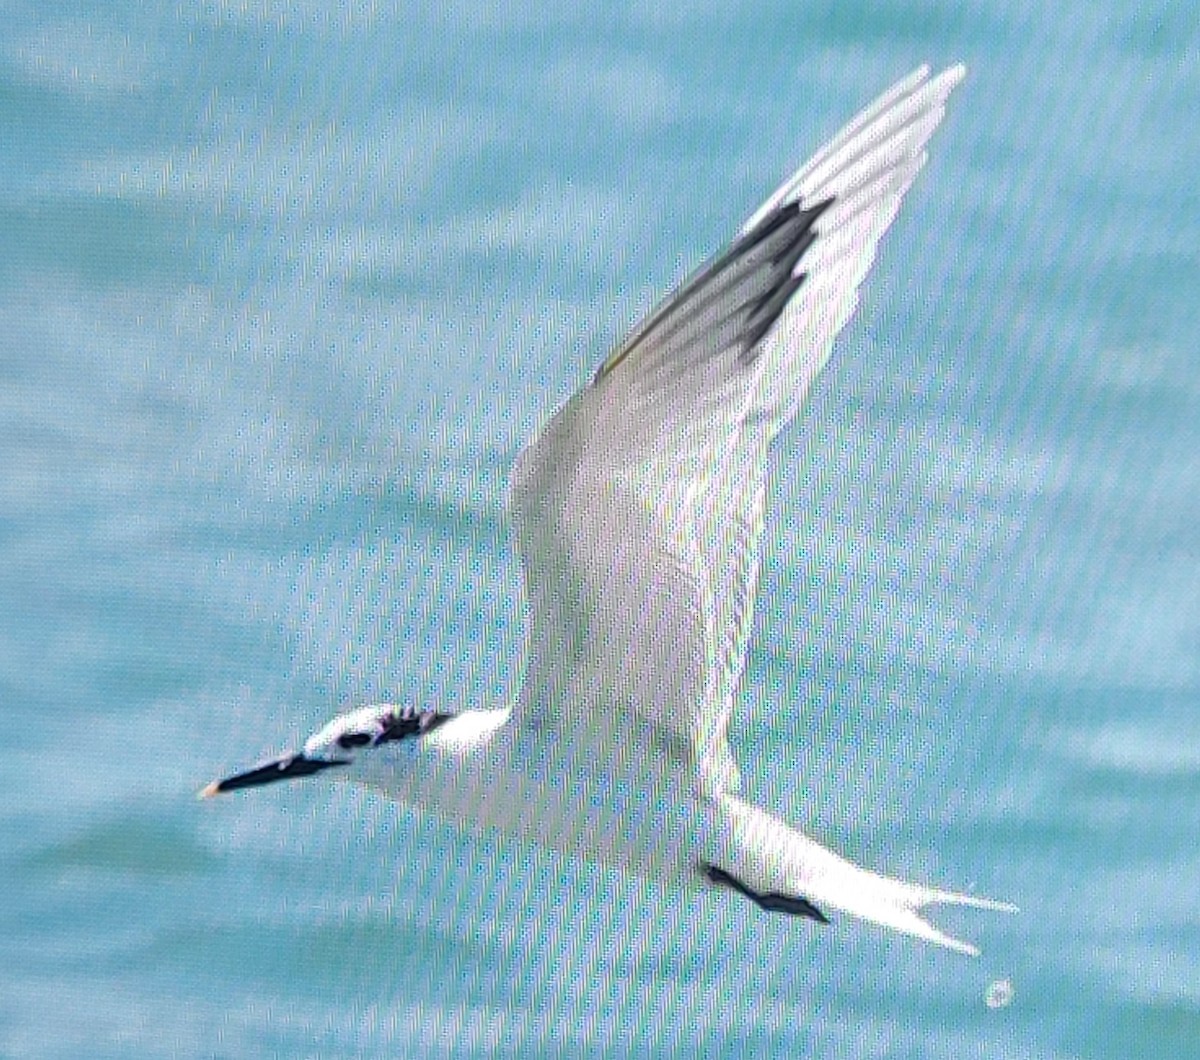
{"x": 638, "y": 511}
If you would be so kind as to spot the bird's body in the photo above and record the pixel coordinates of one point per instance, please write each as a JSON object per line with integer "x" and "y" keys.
{"x": 487, "y": 772}
{"x": 638, "y": 511}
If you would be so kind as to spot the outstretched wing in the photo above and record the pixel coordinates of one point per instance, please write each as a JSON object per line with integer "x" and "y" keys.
{"x": 639, "y": 506}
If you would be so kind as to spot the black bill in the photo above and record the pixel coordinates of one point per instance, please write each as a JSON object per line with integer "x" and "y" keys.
{"x": 281, "y": 769}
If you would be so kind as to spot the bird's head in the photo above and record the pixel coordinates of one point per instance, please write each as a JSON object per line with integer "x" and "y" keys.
{"x": 336, "y": 747}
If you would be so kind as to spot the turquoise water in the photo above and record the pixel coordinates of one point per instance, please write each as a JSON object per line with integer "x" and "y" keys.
{"x": 282, "y": 292}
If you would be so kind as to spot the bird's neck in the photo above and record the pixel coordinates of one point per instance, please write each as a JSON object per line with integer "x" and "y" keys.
{"x": 469, "y": 730}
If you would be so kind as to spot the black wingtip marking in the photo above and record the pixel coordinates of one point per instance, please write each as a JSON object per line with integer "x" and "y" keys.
{"x": 770, "y": 252}
{"x": 764, "y": 310}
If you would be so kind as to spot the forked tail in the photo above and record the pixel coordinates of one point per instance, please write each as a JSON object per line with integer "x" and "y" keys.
{"x": 768, "y": 856}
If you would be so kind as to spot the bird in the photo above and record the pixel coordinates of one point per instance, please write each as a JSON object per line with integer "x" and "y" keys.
{"x": 637, "y": 512}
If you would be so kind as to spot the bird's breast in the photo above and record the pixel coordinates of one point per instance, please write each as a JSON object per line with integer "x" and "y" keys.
{"x": 608, "y": 812}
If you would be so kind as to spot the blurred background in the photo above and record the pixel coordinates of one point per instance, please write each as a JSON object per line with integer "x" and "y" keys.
{"x": 283, "y": 290}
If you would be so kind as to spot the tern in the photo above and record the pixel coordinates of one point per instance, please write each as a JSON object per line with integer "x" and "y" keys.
{"x": 638, "y": 512}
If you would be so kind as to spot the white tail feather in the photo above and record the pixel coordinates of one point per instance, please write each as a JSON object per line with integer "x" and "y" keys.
{"x": 950, "y": 898}
{"x": 768, "y": 856}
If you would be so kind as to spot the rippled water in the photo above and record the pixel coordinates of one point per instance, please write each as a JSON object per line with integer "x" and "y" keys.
{"x": 282, "y": 292}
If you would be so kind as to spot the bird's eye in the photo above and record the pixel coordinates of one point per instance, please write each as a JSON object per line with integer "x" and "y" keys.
{"x": 353, "y": 739}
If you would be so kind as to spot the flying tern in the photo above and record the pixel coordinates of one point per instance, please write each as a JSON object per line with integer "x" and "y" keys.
{"x": 638, "y": 512}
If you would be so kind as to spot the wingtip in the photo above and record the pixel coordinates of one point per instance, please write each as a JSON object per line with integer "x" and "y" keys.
{"x": 951, "y": 76}
{"x": 923, "y": 76}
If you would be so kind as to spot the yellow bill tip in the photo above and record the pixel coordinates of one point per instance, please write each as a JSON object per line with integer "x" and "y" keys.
{"x": 209, "y": 790}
